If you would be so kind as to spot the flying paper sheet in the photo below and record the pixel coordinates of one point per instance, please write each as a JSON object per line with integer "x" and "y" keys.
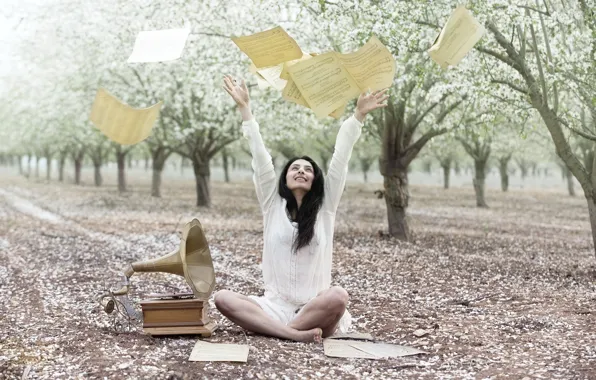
{"x": 329, "y": 80}
{"x": 218, "y": 352}
{"x": 457, "y": 38}
{"x": 159, "y": 45}
{"x": 120, "y": 122}
{"x": 284, "y": 72}
{"x": 261, "y": 82}
{"x": 269, "y": 48}
{"x": 338, "y": 112}
{"x": 271, "y": 76}
{"x": 324, "y": 83}
{"x": 292, "y": 94}
{"x": 275, "y": 76}
{"x": 366, "y": 350}
{"x": 372, "y": 66}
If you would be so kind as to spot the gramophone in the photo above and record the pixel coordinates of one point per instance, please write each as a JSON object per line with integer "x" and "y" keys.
{"x": 173, "y": 314}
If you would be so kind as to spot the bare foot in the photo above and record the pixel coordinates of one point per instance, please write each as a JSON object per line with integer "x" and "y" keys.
{"x": 310, "y": 336}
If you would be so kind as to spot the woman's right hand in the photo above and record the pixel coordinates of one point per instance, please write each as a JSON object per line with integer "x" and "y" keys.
{"x": 238, "y": 91}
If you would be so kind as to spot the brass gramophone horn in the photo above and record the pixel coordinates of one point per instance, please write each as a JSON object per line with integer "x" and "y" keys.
{"x": 191, "y": 260}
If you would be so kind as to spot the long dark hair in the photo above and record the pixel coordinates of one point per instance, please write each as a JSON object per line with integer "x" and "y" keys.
{"x": 306, "y": 215}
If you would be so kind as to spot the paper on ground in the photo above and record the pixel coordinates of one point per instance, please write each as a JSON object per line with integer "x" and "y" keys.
{"x": 218, "y": 352}
{"x": 159, "y": 45}
{"x": 353, "y": 335}
{"x": 367, "y": 350}
{"x": 269, "y": 48}
{"x": 120, "y": 122}
{"x": 457, "y": 38}
{"x": 330, "y": 80}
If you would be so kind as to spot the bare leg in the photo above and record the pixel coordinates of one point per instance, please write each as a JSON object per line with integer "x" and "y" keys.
{"x": 247, "y": 313}
{"x": 324, "y": 311}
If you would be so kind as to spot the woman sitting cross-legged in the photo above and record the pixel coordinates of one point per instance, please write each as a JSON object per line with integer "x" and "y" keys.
{"x": 298, "y": 217}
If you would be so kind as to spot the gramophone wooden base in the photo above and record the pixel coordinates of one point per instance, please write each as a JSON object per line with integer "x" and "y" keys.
{"x": 173, "y": 315}
{"x": 205, "y": 330}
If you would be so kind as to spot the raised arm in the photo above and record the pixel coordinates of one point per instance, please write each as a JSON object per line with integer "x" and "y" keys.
{"x": 348, "y": 134}
{"x": 264, "y": 174}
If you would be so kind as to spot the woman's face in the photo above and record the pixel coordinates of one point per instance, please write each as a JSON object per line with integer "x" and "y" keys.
{"x": 300, "y": 175}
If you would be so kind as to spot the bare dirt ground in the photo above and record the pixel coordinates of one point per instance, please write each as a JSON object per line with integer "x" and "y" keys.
{"x": 506, "y": 292}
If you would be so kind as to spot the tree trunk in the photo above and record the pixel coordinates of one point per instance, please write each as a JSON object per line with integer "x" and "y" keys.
{"x": 503, "y": 163}
{"x": 479, "y": 171}
{"x": 121, "y": 160}
{"x": 129, "y": 161}
{"x": 570, "y": 184}
{"x": 48, "y": 167}
{"x": 365, "y": 165}
{"x": 182, "y": 164}
{"x": 428, "y": 166}
{"x": 20, "y": 162}
{"x": 37, "y": 159}
{"x": 78, "y": 162}
{"x": 446, "y": 173}
{"x": 397, "y": 197}
{"x": 202, "y": 178}
{"x": 226, "y": 164}
{"x": 156, "y": 182}
{"x": 524, "y": 172}
{"x": 159, "y": 157}
{"x": 97, "y": 178}
{"x": 29, "y": 157}
{"x": 61, "y": 162}
{"x": 146, "y": 163}
{"x": 457, "y": 168}
{"x": 592, "y": 213}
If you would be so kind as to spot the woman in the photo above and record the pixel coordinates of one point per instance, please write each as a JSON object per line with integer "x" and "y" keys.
{"x": 298, "y": 218}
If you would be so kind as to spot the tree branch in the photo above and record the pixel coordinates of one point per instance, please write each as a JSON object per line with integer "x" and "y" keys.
{"x": 539, "y": 64}
{"x": 468, "y": 148}
{"x": 512, "y": 85}
{"x": 412, "y": 151}
{"x": 213, "y": 34}
{"x": 415, "y": 124}
{"x": 427, "y": 23}
{"x": 534, "y": 9}
{"x": 585, "y": 135}
{"x": 449, "y": 109}
{"x": 497, "y": 55}
{"x": 513, "y": 59}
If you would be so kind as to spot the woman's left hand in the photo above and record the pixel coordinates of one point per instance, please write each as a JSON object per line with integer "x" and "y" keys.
{"x": 370, "y": 101}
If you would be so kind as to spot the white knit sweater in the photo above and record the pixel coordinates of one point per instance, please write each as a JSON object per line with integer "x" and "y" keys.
{"x": 298, "y": 277}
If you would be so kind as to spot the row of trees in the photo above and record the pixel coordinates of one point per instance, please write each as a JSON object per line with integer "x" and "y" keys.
{"x": 531, "y": 76}
{"x": 449, "y": 154}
